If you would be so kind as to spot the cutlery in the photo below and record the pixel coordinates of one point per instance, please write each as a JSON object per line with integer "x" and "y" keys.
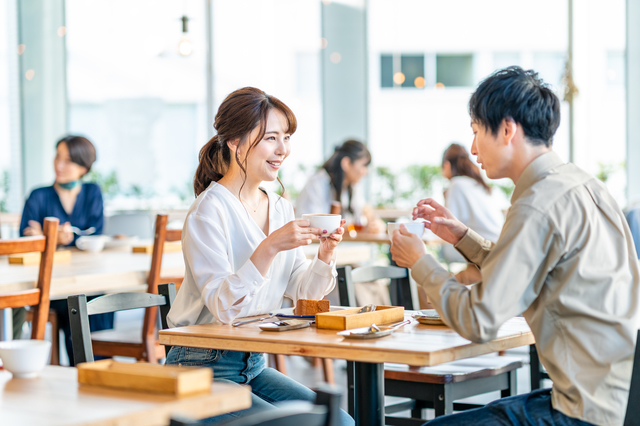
{"x": 80, "y": 232}
{"x": 237, "y": 324}
{"x": 376, "y": 328}
{"x": 367, "y": 308}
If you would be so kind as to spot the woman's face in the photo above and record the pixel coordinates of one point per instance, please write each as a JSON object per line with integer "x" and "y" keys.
{"x": 354, "y": 171}
{"x": 66, "y": 170}
{"x": 266, "y": 158}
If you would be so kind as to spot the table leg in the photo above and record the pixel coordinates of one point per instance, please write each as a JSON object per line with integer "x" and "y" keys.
{"x": 369, "y": 394}
{"x": 6, "y": 324}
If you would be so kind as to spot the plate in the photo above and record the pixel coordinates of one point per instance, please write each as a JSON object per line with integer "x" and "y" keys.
{"x": 428, "y": 317}
{"x": 290, "y": 325}
{"x": 288, "y": 313}
{"x": 364, "y": 333}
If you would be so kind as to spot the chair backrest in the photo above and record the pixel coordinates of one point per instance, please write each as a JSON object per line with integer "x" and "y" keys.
{"x": 80, "y": 309}
{"x": 632, "y": 418}
{"x": 325, "y": 412}
{"x": 400, "y": 288}
{"x": 162, "y": 235}
{"x": 39, "y": 296}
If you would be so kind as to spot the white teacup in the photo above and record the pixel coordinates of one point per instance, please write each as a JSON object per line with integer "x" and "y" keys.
{"x": 413, "y": 227}
{"x": 92, "y": 243}
{"x": 330, "y": 222}
{"x": 25, "y": 358}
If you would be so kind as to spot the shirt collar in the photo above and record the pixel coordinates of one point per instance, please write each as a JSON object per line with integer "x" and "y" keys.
{"x": 534, "y": 172}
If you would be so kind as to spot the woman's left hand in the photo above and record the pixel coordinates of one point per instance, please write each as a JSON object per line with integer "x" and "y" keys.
{"x": 329, "y": 244}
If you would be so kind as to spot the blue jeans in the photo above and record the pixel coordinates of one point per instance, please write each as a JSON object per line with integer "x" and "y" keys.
{"x": 248, "y": 368}
{"x": 529, "y": 409}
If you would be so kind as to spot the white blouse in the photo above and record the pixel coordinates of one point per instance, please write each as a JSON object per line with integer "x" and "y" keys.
{"x": 218, "y": 239}
{"x": 318, "y": 193}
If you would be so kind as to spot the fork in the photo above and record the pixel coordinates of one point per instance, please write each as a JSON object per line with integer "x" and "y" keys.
{"x": 80, "y": 232}
{"x": 376, "y": 328}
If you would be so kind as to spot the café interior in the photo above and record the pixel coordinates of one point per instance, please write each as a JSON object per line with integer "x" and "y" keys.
{"x": 268, "y": 212}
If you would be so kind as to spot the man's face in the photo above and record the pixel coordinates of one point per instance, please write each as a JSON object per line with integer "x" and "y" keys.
{"x": 489, "y": 151}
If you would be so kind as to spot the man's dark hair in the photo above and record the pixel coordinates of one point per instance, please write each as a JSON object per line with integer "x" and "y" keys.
{"x": 522, "y": 96}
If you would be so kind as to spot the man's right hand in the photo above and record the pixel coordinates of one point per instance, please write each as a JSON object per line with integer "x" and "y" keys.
{"x": 440, "y": 221}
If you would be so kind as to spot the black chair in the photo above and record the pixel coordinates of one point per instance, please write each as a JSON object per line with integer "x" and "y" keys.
{"x": 428, "y": 387}
{"x": 80, "y": 309}
{"x": 632, "y": 417}
{"x": 537, "y": 371}
{"x": 325, "y": 412}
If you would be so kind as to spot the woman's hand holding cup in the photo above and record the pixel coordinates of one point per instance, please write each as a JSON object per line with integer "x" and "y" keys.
{"x": 294, "y": 234}
{"x": 329, "y": 243}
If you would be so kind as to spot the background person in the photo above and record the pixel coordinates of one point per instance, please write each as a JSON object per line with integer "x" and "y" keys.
{"x": 565, "y": 260}
{"x": 74, "y": 203}
{"x": 337, "y": 181}
{"x": 469, "y": 198}
{"x": 243, "y": 247}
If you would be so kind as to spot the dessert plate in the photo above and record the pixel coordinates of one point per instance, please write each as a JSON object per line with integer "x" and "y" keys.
{"x": 288, "y": 313}
{"x": 285, "y": 325}
{"x": 364, "y": 333}
{"x": 428, "y": 317}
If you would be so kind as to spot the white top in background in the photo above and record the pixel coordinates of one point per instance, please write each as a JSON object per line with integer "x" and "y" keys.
{"x": 318, "y": 193}
{"x": 468, "y": 201}
{"x": 218, "y": 239}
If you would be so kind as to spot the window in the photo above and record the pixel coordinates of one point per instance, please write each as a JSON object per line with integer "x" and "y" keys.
{"x": 405, "y": 71}
{"x": 550, "y": 67}
{"x": 454, "y": 70}
{"x": 615, "y": 69}
{"x": 506, "y": 59}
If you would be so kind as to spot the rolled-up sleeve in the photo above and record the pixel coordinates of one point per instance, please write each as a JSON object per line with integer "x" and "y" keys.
{"x": 513, "y": 272}
{"x": 311, "y": 279}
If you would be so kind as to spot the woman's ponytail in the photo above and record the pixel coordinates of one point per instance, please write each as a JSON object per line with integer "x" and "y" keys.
{"x": 213, "y": 164}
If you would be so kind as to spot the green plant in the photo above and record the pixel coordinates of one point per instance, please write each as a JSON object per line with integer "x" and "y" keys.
{"x": 108, "y": 182}
{"x": 4, "y": 190}
{"x": 387, "y": 192}
{"x": 507, "y": 189}
{"x": 422, "y": 178}
{"x": 605, "y": 170}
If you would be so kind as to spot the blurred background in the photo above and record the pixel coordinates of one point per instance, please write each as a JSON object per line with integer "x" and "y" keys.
{"x": 142, "y": 79}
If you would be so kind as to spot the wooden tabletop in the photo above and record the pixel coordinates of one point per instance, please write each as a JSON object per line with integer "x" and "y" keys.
{"x": 55, "y": 398}
{"x": 413, "y": 344}
{"x": 91, "y": 273}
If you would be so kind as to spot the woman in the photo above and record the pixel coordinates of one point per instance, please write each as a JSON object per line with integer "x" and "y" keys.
{"x": 469, "y": 198}
{"x": 336, "y": 182}
{"x": 242, "y": 244}
{"x": 74, "y": 203}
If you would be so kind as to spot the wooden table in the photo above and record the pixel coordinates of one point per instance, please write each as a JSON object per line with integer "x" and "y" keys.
{"x": 91, "y": 273}
{"x": 55, "y": 398}
{"x": 414, "y": 344}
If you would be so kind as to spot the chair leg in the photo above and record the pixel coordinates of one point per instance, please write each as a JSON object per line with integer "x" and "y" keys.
{"x": 55, "y": 338}
{"x": 278, "y": 362}
{"x": 327, "y": 366}
{"x": 534, "y": 364}
{"x": 351, "y": 405}
{"x": 512, "y": 390}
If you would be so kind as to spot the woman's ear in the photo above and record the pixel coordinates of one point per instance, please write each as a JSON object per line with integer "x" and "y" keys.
{"x": 345, "y": 163}
{"x": 233, "y": 145}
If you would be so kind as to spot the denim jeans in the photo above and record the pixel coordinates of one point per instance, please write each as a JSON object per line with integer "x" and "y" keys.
{"x": 529, "y": 409}
{"x": 268, "y": 386}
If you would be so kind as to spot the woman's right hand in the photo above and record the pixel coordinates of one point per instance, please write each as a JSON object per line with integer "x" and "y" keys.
{"x": 440, "y": 221}
{"x": 294, "y": 234}
{"x": 34, "y": 228}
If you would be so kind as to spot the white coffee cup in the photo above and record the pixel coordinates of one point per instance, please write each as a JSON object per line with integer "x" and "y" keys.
{"x": 91, "y": 243}
{"x": 413, "y": 227}
{"x": 330, "y": 222}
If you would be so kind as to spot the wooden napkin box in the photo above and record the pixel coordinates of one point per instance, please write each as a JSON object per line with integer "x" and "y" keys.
{"x": 347, "y": 319}
{"x": 33, "y": 258}
{"x": 173, "y": 380}
{"x": 168, "y": 248}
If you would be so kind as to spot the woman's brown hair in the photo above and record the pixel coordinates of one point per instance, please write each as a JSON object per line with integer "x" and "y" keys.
{"x": 353, "y": 149}
{"x": 240, "y": 113}
{"x": 81, "y": 150}
{"x": 461, "y": 165}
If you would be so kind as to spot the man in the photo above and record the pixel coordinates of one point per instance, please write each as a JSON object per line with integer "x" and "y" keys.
{"x": 565, "y": 260}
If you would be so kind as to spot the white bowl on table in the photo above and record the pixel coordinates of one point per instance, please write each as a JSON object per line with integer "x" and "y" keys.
{"x": 24, "y": 358}
{"x": 92, "y": 243}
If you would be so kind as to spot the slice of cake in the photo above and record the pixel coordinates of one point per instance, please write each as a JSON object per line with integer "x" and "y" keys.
{"x": 311, "y": 307}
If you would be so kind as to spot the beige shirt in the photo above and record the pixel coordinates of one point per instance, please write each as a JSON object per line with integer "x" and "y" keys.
{"x": 565, "y": 260}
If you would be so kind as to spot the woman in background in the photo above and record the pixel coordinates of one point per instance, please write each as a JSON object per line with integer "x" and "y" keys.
{"x": 336, "y": 182}
{"x": 469, "y": 199}
{"x": 74, "y": 203}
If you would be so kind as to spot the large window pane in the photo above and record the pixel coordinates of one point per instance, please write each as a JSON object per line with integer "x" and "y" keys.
{"x": 454, "y": 70}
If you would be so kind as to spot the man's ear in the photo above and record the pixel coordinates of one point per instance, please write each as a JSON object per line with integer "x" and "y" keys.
{"x": 508, "y": 130}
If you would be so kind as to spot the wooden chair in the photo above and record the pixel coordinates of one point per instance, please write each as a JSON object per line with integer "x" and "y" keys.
{"x": 632, "y": 417}
{"x": 428, "y": 387}
{"x": 136, "y": 343}
{"x": 37, "y": 298}
{"x": 80, "y": 309}
{"x": 325, "y": 412}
